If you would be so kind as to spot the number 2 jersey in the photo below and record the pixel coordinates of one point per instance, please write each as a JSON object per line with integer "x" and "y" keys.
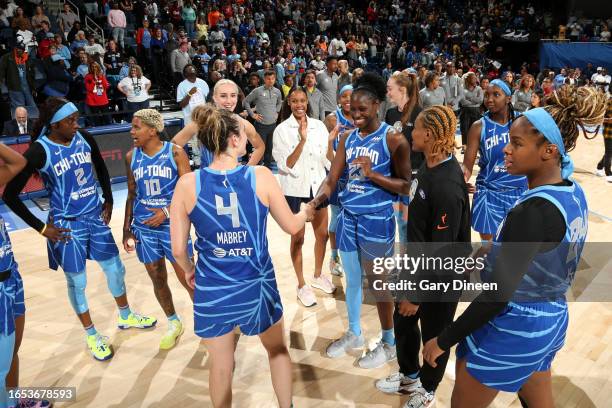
{"x": 155, "y": 178}
{"x": 68, "y": 175}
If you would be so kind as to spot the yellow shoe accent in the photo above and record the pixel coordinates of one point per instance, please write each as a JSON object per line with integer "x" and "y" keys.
{"x": 175, "y": 329}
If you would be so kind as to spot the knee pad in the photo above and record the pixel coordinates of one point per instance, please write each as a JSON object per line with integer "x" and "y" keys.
{"x": 77, "y": 282}
{"x": 115, "y": 272}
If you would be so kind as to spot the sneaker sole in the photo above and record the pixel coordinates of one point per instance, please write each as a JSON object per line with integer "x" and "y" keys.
{"x": 400, "y": 391}
{"x": 377, "y": 366}
{"x": 345, "y": 351}
{"x": 176, "y": 339}
{"x": 125, "y": 327}
{"x": 304, "y": 304}
{"x": 321, "y": 288}
{"x": 102, "y": 359}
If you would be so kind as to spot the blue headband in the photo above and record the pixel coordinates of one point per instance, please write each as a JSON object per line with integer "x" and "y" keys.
{"x": 68, "y": 109}
{"x": 345, "y": 88}
{"x": 501, "y": 84}
{"x": 541, "y": 120}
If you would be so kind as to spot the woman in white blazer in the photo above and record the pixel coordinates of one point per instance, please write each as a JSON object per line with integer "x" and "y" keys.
{"x": 302, "y": 150}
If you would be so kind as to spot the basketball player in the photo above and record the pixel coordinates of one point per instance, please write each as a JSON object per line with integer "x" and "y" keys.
{"x": 439, "y": 213}
{"x": 508, "y": 339}
{"x": 338, "y": 122}
{"x": 12, "y": 306}
{"x": 77, "y": 228}
{"x": 234, "y": 282}
{"x": 225, "y": 96}
{"x": 403, "y": 92}
{"x": 377, "y": 160}
{"x": 152, "y": 169}
{"x": 496, "y": 189}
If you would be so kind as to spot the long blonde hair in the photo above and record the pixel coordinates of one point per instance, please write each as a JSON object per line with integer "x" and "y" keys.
{"x": 215, "y": 126}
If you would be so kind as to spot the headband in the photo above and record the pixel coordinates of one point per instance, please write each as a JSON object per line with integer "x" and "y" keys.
{"x": 501, "y": 84}
{"x": 545, "y": 124}
{"x": 366, "y": 88}
{"x": 345, "y": 88}
{"x": 62, "y": 113}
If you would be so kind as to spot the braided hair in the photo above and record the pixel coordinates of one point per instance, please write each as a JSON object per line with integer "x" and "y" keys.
{"x": 442, "y": 123}
{"x": 575, "y": 108}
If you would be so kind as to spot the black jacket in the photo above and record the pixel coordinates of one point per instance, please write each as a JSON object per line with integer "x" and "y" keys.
{"x": 12, "y": 129}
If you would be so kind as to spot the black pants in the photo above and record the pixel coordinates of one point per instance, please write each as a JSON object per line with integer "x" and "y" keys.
{"x": 266, "y": 132}
{"x": 466, "y": 118}
{"x": 606, "y": 160}
{"x": 434, "y": 317}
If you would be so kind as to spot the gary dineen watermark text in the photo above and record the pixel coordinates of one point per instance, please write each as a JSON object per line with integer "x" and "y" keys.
{"x": 428, "y": 270}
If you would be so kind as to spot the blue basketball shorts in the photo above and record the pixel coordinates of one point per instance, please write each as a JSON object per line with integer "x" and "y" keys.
{"x": 90, "y": 239}
{"x": 154, "y": 243}
{"x": 372, "y": 235}
{"x": 520, "y": 341}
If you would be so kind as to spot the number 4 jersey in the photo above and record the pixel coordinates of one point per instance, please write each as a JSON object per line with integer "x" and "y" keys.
{"x": 156, "y": 178}
{"x": 68, "y": 175}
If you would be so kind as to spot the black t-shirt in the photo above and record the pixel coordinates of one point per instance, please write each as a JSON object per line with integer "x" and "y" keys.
{"x": 439, "y": 208}
{"x": 394, "y": 115}
{"x": 535, "y": 220}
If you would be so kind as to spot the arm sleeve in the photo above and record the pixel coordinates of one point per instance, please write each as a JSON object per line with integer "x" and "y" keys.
{"x": 36, "y": 157}
{"x": 101, "y": 170}
{"x": 525, "y": 223}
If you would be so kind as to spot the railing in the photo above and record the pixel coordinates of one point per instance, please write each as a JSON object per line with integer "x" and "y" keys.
{"x": 74, "y": 8}
{"x": 92, "y": 25}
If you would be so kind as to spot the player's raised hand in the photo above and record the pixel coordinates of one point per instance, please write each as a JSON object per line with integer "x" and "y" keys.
{"x": 156, "y": 219}
{"x": 56, "y": 234}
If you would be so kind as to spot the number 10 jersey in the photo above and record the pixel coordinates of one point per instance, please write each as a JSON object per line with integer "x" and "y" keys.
{"x": 155, "y": 178}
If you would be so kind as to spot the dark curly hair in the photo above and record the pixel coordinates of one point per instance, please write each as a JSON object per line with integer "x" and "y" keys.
{"x": 373, "y": 85}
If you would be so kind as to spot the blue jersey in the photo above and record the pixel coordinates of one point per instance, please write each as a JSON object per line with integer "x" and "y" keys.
{"x": 361, "y": 196}
{"x": 342, "y": 121}
{"x": 344, "y": 125}
{"x": 234, "y": 272}
{"x": 6, "y": 249}
{"x": 551, "y": 273}
{"x": 493, "y": 175}
{"x": 68, "y": 174}
{"x": 155, "y": 178}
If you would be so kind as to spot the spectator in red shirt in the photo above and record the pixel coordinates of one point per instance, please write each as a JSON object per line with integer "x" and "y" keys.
{"x": 213, "y": 17}
{"x": 96, "y": 98}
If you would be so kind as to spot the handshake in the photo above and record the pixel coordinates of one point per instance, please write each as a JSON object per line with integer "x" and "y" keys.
{"x": 309, "y": 210}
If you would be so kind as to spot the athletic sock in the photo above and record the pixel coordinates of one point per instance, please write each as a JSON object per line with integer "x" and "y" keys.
{"x": 91, "y": 330}
{"x": 413, "y": 376}
{"x": 173, "y": 317}
{"x": 388, "y": 337}
{"x": 334, "y": 254}
{"x": 124, "y": 312}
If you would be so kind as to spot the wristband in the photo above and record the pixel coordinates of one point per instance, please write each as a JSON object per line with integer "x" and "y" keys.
{"x": 166, "y": 212}
{"x": 42, "y": 231}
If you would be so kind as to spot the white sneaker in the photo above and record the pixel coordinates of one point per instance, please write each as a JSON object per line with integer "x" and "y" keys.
{"x": 339, "y": 347}
{"x": 398, "y": 383}
{"x": 609, "y": 179}
{"x": 600, "y": 173}
{"x": 420, "y": 399}
{"x": 306, "y": 296}
{"x": 323, "y": 283}
{"x": 379, "y": 356}
{"x": 335, "y": 267}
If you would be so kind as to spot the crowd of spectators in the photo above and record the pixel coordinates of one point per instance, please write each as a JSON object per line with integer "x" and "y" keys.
{"x": 147, "y": 45}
